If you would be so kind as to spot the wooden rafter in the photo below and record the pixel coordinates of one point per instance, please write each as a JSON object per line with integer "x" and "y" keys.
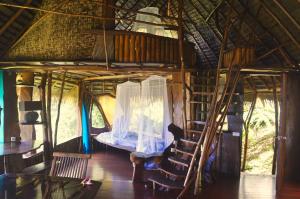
{"x": 263, "y": 27}
{"x": 203, "y": 38}
{"x": 284, "y": 10}
{"x": 13, "y": 18}
{"x": 199, "y": 47}
{"x": 252, "y": 28}
{"x": 279, "y": 22}
{"x": 82, "y": 15}
{"x": 217, "y": 33}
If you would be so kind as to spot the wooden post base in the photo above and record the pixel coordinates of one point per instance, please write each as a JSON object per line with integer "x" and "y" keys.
{"x": 138, "y": 168}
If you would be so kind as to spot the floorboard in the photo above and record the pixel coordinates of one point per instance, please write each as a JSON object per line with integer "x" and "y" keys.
{"x": 114, "y": 169}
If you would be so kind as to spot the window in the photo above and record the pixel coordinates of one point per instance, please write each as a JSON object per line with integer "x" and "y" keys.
{"x": 97, "y": 118}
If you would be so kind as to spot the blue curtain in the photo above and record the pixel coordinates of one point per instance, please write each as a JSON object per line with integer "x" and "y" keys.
{"x": 85, "y": 130}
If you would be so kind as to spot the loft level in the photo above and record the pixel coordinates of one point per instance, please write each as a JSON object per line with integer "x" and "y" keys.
{"x": 120, "y": 49}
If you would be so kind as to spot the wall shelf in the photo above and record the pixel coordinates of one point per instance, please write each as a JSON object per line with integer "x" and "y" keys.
{"x": 31, "y": 123}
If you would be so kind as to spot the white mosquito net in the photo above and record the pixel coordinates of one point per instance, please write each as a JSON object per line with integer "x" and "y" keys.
{"x": 154, "y": 136}
{"x": 141, "y": 118}
{"x": 152, "y": 29}
{"x": 125, "y": 124}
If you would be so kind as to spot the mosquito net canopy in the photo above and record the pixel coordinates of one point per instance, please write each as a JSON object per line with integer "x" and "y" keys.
{"x": 149, "y": 28}
{"x": 155, "y": 117}
{"x": 141, "y": 117}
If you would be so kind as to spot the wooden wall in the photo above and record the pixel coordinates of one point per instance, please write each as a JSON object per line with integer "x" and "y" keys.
{"x": 292, "y": 123}
{"x": 229, "y": 151}
{"x": 11, "y": 123}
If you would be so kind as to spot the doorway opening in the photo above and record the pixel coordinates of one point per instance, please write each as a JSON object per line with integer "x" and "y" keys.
{"x": 260, "y": 129}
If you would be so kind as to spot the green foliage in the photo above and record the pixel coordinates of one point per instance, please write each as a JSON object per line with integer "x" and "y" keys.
{"x": 97, "y": 118}
{"x": 261, "y": 137}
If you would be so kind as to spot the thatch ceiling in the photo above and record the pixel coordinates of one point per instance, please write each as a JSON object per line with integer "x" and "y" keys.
{"x": 274, "y": 24}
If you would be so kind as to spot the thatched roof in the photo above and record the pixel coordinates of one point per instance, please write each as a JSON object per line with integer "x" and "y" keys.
{"x": 274, "y": 24}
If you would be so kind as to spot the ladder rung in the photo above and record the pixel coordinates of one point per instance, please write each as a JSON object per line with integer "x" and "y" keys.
{"x": 184, "y": 151}
{"x": 180, "y": 161}
{"x": 197, "y": 122}
{"x": 162, "y": 180}
{"x": 189, "y": 141}
{"x": 194, "y": 131}
{"x": 171, "y": 170}
{"x": 210, "y": 93}
{"x": 197, "y": 102}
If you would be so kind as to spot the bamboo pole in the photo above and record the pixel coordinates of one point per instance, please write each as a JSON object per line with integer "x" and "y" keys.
{"x": 47, "y": 146}
{"x": 182, "y": 66}
{"x": 49, "y": 93}
{"x": 105, "y": 45}
{"x": 58, "y": 108}
{"x": 246, "y": 127}
{"x": 214, "y": 121}
{"x": 211, "y": 111}
{"x": 276, "y": 126}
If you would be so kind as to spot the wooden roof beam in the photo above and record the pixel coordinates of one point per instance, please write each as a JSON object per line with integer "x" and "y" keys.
{"x": 252, "y": 29}
{"x": 288, "y": 33}
{"x": 261, "y": 25}
{"x": 217, "y": 33}
{"x": 200, "y": 48}
{"x": 284, "y": 10}
{"x": 13, "y": 18}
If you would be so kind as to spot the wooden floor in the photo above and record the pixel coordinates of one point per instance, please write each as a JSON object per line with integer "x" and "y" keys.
{"x": 114, "y": 169}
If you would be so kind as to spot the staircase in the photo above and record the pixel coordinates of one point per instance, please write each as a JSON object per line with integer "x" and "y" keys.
{"x": 204, "y": 122}
{"x": 173, "y": 172}
{"x": 208, "y": 100}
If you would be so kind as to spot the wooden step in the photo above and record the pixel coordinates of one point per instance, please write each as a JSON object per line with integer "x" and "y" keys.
{"x": 209, "y": 93}
{"x": 189, "y": 140}
{"x": 197, "y": 122}
{"x": 184, "y": 150}
{"x": 172, "y": 170}
{"x": 198, "y": 102}
{"x": 179, "y": 161}
{"x": 163, "y": 181}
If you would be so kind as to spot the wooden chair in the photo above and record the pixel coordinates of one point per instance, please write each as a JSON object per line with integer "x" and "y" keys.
{"x": 71, "y": 165}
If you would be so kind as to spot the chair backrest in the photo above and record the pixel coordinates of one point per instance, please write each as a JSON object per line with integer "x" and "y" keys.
{"x": 71, "y": 165}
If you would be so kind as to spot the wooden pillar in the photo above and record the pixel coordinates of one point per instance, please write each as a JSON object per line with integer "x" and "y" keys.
{"x": 47, "y": 145}
{"x": 25, "y": 94}
{"x": 182, "y": 66}
{"x": 10, "y": 111}
{"x": 289, "y": 138}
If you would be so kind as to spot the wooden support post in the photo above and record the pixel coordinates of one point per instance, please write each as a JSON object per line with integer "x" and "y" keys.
{"x": 47, "y": 146}
{"x": 180, "y": 40}
{"x": 282, "y": 132}
{"x": 49, "y": 95}
{"x": 79, "y": 120}
{"x": 138, "y": 168}
{"x": 246, "y": 127}
{"x": 58, "y": 108}
{"x": 276, "y": 126}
